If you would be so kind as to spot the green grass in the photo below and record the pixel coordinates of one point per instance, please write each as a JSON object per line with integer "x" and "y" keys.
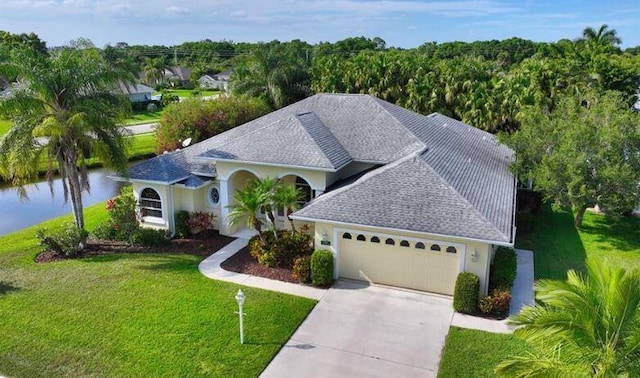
{"x": 131, "y": 315}
{"x": 143, "y": 116}
{"x": 189, "y": 92}
{"x": 5, "y": 125}
{"x": 558, "y": 246}
{"x": 470, "y": 353}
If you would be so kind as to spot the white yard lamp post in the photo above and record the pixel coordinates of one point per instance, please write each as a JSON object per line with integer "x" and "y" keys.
{"x": 240, "y": 299}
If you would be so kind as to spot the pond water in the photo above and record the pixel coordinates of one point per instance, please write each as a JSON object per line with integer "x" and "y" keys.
{"x": 16, "y": 213}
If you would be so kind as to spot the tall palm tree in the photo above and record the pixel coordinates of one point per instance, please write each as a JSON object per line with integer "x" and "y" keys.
{"x": 603, "y": 36}
{"x": 154, "y": 69}
{"x": 64, "y": 112}
{"x": 582, "y": 327}
{"x": 248, "y": 202}
{"x": 288, "y": 196}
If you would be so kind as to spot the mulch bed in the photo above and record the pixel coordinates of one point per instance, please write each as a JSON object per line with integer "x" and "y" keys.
{"x": 243, "y": 262}
{"x": 202, "y": 246}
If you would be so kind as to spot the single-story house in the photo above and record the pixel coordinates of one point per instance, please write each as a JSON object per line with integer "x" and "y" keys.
{"x": 400, "y": 198}
{"x": 218, "y": 81}
{"x": 135, "y": 92}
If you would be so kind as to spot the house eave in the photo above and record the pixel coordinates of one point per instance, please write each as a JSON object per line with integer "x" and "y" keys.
{"x": 209, "y": 159}
{"x": 389, "y": 229}
{"x": 142, "y": 181}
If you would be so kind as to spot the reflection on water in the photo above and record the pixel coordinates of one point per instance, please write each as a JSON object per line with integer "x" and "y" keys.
{"x": 16, "y": 213}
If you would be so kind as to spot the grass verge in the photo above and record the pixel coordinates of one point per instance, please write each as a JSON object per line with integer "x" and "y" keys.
{"x": 143, "y": 116}
{"x": 470, "y": 353}
{"x": 131, "y": 315}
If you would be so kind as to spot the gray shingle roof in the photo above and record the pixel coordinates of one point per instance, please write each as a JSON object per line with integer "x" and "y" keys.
{"x": 408, "y": 195}
{"x": 299, "y": 140}
{"x": 458, "y": 184}
{"x": 365, "y": 129}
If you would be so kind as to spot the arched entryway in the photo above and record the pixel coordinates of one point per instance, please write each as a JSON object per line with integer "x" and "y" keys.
{"x": 238, "y": 180}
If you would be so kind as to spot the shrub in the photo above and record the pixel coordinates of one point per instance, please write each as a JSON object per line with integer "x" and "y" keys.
{"x": 150, "y": 237}
{"x": 283, "y": 251}
{"x": 123, "y": 219}
{"x": 497, "y": 304}
{"x": 465, "y": 295}
{"x": 65, "y": 242}
{"x": 200, "y": 221}
{"x": 152, "y": 107}
{"x": 302, "y": 269}
{"x": 503, "y": 269}
{"x": 322, "y": 268}
{"x": 182, "y": 228}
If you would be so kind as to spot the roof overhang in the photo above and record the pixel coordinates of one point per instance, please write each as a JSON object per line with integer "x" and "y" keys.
{"x": 392, "y": 230}
{"x": 129, "y": 179}
{"x": 235, "y": 161}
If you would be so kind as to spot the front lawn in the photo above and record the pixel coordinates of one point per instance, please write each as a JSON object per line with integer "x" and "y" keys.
{"x": 470, "y": 353}
{"x": 140, "y": 117}
{"x": 187, "y": 93}
{"x": 131, "y": 315}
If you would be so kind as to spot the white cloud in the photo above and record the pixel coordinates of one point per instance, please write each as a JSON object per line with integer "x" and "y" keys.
{"x": 178, "y": 10}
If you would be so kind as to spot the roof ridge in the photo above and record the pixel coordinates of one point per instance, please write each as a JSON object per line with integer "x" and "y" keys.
{"x": 378, "y": 103}
{"x": 306, "y": 130}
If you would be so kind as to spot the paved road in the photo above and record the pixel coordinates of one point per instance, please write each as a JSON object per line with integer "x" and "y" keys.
{"x": 142, "y": 129}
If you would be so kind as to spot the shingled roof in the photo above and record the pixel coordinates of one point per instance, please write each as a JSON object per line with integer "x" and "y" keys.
{"x": 438, "y": 175}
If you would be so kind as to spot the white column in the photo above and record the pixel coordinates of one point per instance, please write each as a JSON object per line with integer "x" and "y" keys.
{"x": 224, "y": 210}
{"x": 318, "y": 192}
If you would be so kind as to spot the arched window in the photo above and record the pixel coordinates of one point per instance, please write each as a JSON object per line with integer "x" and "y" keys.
{"x": 361, "y": 238}
{"x": 346, "y": 235}
{"x": 420, "y": 245}
{"x": 404, "y": 243}
{"x": 435, "y": 247}
{"x": 150, "y": 203}
{"x": 375, "y": 239}
{"x": 389, "y": 241}
{"x": 451, "y": 250}
{"x": 303, "y": 187}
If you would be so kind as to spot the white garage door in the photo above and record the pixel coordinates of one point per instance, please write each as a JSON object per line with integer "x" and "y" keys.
{"x": 392, "y": 260}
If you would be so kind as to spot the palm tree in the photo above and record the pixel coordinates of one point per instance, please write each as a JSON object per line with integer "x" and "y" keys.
{"x": 248, "y": 201}
{"x": 585, "y": 326}
{"x": 266, "y": 188}
{"x": 154, "y": 69}
{"x": 603, "y": 36}
{"x": 64, "y": 113}
{"x": 288, "y": 196}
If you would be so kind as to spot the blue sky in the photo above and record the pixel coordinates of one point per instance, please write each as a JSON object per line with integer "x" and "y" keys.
{"x": 404, "y": 23}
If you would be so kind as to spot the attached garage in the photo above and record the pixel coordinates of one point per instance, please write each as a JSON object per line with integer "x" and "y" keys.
{"x": 418, "y": 264}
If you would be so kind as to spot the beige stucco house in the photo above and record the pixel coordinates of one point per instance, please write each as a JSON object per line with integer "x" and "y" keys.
{"x": 400, "y": 199}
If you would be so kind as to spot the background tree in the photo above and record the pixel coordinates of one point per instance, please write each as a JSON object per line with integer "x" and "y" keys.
{"x": 586, "y": 152}
{"x": 278, "y": 73}
{"x": 582, "y": 327}
{"x": 68, "y": 100}
{"x": 603, "y": 36}
{"x": 199, "y": 120}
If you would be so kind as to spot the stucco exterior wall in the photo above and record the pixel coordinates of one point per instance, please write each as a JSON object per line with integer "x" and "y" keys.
{"x": 316, "y": 179}
{"x": 165, "y": 192}
{"x": 480, "y": 267}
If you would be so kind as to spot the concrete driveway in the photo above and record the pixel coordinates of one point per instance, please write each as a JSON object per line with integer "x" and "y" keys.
{"x": 367, "y": 331}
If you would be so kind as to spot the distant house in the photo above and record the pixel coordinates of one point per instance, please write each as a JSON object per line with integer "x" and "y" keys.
{"x": 218, "y": 81}
{"x": 135, "y": 92}
{"x": 177, "y": 75}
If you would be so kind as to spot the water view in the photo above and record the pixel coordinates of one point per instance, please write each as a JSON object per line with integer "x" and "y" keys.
{"x": 16, "y": 213}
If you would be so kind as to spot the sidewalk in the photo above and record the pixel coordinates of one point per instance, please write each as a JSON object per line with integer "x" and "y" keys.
{"x": 210, "y": 267}
{"x": 521, "y": 295}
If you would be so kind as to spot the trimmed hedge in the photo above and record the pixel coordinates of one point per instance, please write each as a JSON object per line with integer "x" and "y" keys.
{"x": 465, "y": 295}
{"x": 503, "y": 269}
{"x": 182, "y": 228}
{"x": 322, "y": 268}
